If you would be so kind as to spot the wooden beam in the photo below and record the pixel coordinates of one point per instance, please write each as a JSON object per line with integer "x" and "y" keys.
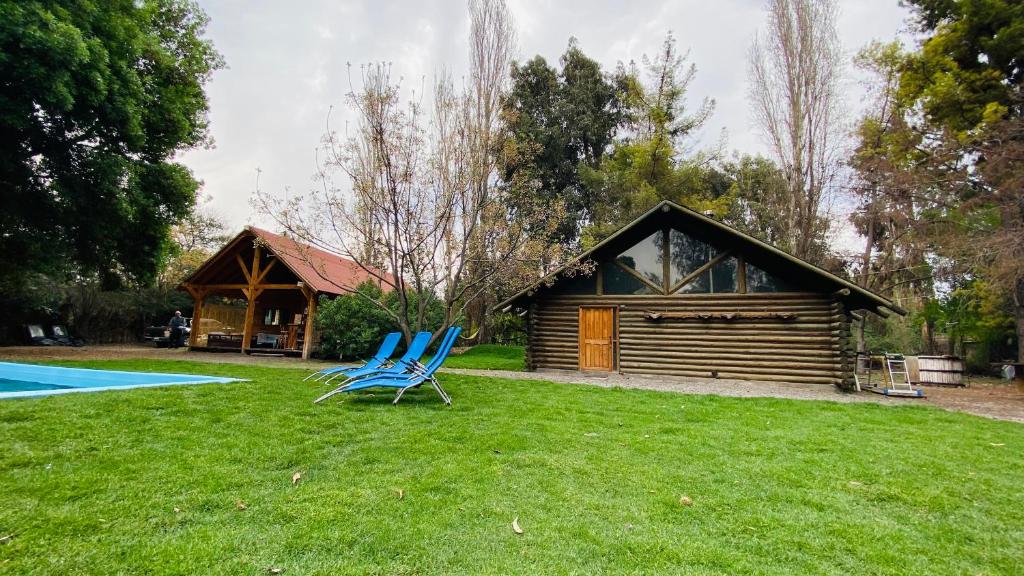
{"x": 255, "y": 272}
{"x": 244, "y": 287}
{"x": 250, "y": 315}
{"x": 251, "y": 293}
{"x": 658, "y": 289}
{"x": 197, "y": 309}
{"x": 278, "y": 286}
{"x": 307, "y": 341}
{"x": 696, "y": 273}
{"x": 245, "y": 270}
{"x": 225, "y": 286}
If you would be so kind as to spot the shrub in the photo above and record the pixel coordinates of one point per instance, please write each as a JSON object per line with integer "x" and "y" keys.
{"x": 508, "y": 329}
{"x": 351, "y": 326}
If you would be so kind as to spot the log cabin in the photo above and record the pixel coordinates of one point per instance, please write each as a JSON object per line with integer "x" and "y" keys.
{"x": 259, "y": 292}
{"x": 678, "y": 293}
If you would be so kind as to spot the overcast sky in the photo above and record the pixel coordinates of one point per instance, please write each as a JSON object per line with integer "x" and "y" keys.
{"x": 287, "y": 67}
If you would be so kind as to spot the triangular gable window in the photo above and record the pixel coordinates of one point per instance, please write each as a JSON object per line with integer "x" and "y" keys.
{"x": 670, "y": 261}
{"x": 647, "y": 258}
{"x": 617, "y": 280}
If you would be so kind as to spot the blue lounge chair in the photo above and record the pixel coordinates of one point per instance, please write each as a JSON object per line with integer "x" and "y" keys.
{"x": 387, "y": 347}
{"x": 418, "y": 375}
{"x": 416, "y": 349}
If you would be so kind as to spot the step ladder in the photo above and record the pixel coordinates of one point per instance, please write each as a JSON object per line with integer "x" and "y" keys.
{"x": 898, "y": 378}
{"x": 895, "y": 379}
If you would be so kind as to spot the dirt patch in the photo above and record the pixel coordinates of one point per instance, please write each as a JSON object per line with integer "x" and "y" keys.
{"x": 984, "y": 396}
{"x": 987, "y": 397}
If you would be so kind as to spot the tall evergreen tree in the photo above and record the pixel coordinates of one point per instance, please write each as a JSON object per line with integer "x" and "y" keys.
{"x": 649, "y": 163}
{"x": 557, "y": 121}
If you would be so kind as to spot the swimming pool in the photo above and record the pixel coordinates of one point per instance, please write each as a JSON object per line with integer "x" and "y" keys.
{"x": 22, "y": 380}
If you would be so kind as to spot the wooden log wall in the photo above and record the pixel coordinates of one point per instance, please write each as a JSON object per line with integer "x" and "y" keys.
{"x": 764, "y": 343}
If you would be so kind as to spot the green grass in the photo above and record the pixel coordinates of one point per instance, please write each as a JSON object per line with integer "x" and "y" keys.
{"x": 489, "y": 357}
{"x": 90, "y": 482}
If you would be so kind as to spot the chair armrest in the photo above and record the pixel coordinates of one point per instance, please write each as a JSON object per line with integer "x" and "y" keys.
{"x": 416, "y": 366}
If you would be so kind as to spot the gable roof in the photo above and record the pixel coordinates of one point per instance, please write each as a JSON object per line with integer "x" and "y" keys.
{"x": 323, "y": 271}
{"x": 858, "y": 296}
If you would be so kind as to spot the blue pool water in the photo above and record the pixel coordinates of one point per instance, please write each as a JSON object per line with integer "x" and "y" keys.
{"x": 20, "y": 380}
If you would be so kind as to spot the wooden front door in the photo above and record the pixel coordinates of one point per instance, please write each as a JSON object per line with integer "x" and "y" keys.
{"x": 597, "y": 338}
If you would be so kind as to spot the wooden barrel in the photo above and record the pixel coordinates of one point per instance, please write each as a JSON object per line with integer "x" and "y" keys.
{"x": 941, "y": 370}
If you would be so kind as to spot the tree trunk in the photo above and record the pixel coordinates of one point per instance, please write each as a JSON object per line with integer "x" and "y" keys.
{"x": 861, "y": 344}
{"x": 1018, "y": 303}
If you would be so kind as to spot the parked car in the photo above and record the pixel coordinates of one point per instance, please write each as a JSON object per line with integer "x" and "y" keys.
{"x": 161, "y": 335}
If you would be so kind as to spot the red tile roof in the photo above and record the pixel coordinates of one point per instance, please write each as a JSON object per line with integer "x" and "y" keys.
{"x": 321, "y": 270}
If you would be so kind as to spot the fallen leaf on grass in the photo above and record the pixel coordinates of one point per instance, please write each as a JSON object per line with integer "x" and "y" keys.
{"x": 177, "y": 510}
{"x": 6, "y": 539}
{"x": 997, "y": 445}
{"x": 274, "y": 570}
{"x": 296, "y": 477}
{"x": 401, "y": 493}
{"x": 515, "y": 526}
{"x": 685, "y": 501}
{"x": 855, "y": 483}
{"x": 241, "y": 505}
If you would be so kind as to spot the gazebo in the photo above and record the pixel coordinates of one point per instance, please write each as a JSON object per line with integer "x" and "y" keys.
{"x": 259, "y": 293}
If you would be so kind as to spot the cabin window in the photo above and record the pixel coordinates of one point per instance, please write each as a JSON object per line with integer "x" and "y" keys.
{"x": 760, "y": 281}
{"x": 647, "y": 258}
{"x": 721, "y": 277}
{"x": 619, "y": 281}
{"x": 687, "y": 255}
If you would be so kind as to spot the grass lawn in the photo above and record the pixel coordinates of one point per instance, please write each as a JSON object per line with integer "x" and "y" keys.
{"x": 489, "y": 357}
{"x": 148, "y": 481}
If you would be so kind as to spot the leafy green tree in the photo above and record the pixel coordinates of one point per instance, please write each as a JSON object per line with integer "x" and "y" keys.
{"x": 95, "y": 100}
{"x": 650, "y": 163}
{"x": 966, "y": 82}
{"x": 757, "y": 188}
{"x": 971, "y": 63}
{"x": 557, "y": 121}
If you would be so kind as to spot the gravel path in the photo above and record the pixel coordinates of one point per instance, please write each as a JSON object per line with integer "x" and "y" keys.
{"x": 715, "y": 386}
{"x": 984, "y": 397}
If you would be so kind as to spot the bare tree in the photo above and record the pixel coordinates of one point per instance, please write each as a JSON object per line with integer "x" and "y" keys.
{"x": 795, "y": 69}
{"x": 418, "y": 207}
{"x": 886, "y": 187}
{"x": 492, "y": 44}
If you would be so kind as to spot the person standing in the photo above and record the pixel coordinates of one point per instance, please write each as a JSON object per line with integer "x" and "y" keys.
{"x": 177, "y": 326}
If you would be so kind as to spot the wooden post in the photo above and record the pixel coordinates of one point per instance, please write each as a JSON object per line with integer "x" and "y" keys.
{"x": 198, "y": 296}
{"x": 307, "y": 342}
{"x": 251, "y": 293}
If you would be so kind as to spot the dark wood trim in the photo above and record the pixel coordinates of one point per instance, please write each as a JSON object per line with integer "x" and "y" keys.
{"x": 741, "y": 274}
{"x": 666, "y": 264}
{"x": 600, "y": 280}
{"x": 245, "y": 269}
{"x": 693, "y": 275}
